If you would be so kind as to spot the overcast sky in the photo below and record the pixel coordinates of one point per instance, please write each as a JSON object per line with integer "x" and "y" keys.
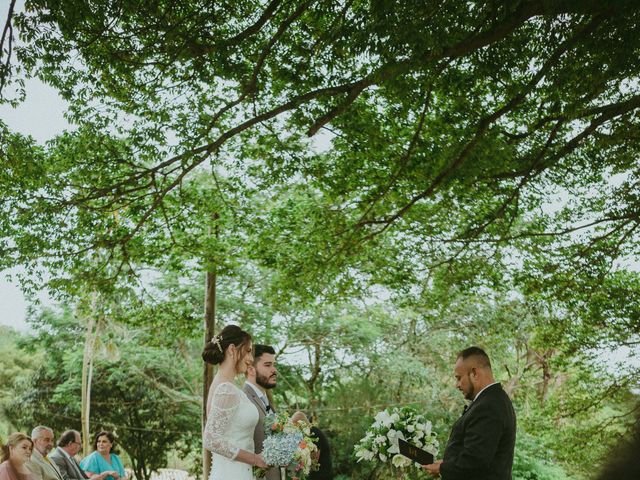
{"x": 40, "y": 116}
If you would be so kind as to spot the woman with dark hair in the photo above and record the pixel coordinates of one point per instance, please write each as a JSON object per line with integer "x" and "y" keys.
{"x": 103, "y": 463}
{"x": 231, "y": 416}
{"x": 15, "y": 453}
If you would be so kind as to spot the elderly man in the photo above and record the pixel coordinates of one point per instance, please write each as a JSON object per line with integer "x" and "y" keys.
{"x": 69, "y": 445}
{"x": 40, "y": 466}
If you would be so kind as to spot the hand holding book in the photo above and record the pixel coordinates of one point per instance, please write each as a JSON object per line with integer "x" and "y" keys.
{"x": 414, "y": 453}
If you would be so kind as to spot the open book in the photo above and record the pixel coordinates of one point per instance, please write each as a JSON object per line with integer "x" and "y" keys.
{"x": 414, "y": 453}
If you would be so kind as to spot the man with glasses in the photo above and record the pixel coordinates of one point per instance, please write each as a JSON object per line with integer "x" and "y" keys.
{"x": 69, "y": 445}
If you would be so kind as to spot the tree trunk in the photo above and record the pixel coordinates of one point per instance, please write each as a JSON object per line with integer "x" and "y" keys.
{"x": 87, "y": 373}
{"x": 311, "y": 383}
{"x": 209, "y": 327}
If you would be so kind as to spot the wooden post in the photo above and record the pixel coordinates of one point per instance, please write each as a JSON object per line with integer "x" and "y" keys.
{"x": 87, "y": 372}
{"x": 209, "y": 330}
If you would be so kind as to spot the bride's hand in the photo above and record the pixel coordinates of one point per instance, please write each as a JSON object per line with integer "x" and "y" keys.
{"x": 259, "y": 461}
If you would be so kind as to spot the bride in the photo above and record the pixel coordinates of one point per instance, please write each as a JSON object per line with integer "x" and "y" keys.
{"x": 231, "y": 416}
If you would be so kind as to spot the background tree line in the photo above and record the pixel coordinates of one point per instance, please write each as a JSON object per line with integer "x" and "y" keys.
{"x": 341, "y": 362}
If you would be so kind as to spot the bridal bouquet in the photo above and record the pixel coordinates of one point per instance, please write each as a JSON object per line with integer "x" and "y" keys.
{"x": 380, "y": 443}
{"x": 289, "y": 445}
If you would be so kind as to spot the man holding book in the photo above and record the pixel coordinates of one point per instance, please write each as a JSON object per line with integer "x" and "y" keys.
{"x": 482, "y": 441}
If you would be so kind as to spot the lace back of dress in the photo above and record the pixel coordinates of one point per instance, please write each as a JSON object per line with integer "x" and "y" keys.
{"x": 224, "y": 404}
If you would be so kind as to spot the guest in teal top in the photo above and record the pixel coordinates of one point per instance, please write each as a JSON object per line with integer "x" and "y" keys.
{"x": 102, "y": 464}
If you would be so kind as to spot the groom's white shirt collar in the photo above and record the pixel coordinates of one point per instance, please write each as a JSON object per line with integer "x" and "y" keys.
{"x": 257, "y": 390}
{"x": 476, "y": 397}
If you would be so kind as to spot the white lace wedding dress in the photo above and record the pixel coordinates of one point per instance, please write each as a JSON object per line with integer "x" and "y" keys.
{"x": 230, "y": 426}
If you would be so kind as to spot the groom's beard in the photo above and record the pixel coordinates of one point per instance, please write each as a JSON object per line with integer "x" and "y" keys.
{"x": 266, "y": 382}
{"x": 470, "y": 394}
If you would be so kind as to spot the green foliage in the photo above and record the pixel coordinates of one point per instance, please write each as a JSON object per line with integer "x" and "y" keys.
{"x": 147, "y": 395}
{"x": 15, "y": 367}
{"x": 375, "y": 185}
{"x": 531, "y": 463}
{"x": 190, "y": 138}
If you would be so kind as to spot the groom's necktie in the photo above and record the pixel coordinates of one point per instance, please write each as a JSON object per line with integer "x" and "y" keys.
{"x": 267, "y": 407}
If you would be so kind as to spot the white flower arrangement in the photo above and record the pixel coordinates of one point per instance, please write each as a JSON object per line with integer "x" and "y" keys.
{"x": 380, "y": 443}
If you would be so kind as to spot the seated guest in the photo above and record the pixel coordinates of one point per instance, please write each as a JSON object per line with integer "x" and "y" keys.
{"x": 41, "y": 467}
{"x": 69, "y": 445}
{"x": 15, "y": 454}
{"x": 103, "y": 463}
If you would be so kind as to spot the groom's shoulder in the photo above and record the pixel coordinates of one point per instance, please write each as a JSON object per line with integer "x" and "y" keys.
{"x": 495, "y": 401}
{"x": 249, "y": 392}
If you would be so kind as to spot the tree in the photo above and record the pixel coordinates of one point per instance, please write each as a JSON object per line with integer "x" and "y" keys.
{"x": 462, "y": 117}
{"x": 146, "y": 395}
{"x": 15, "y": 368}
{"x": 454, "y": 158}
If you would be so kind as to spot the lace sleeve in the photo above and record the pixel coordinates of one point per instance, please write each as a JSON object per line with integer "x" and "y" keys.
{"x": 225, "y": 402}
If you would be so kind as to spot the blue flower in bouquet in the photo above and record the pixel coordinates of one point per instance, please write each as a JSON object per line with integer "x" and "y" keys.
{"x": 280, "y": 448}
{"x": 289, "y": 445}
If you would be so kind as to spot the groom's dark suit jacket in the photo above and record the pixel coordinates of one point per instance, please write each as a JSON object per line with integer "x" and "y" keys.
{"x": 482, "y": 441}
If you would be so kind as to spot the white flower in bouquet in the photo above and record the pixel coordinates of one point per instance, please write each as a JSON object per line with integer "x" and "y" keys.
{"x": 393, "y": 436}
{"x": 400, "y": 461}
{"x": 380, "y": 442}
{"x": 383, "y": 419}
{"x": 364, "y": 454}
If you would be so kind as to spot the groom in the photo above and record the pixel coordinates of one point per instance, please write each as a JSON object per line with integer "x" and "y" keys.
{"x": 482, "y": 441}
{"x": 262, "y": 376}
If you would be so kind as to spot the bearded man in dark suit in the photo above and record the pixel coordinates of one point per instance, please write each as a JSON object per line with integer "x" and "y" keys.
{"x": 482, "y": 441}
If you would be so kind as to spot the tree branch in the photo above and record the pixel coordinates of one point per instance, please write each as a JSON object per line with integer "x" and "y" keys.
{"x": 255, "y": 27}
{"x": 7, "y": 34}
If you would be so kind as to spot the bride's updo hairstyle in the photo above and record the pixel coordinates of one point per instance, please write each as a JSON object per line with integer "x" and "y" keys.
{"x": 215, "y": 350}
